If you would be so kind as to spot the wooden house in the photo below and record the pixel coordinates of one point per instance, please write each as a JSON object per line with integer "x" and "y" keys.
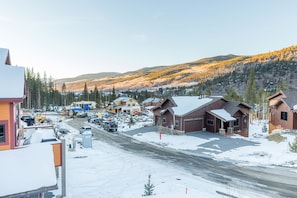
{"x": 124, "y": 105}
{"x": 283, "y": 110}
{"x": 37, "y": 175}
{"x": 198, "y": 113}
{"x": 12, "y": 93}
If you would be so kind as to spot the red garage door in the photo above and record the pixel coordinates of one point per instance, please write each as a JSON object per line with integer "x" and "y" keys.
{"x": 193, "y": 125}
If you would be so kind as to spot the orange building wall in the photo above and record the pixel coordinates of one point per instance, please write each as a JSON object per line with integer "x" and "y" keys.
{"x": 4, "y": 116}
{"x": 57, "y": 149}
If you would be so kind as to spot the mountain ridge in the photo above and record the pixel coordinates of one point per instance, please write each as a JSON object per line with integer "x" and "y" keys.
{"x": 185, "y": 74}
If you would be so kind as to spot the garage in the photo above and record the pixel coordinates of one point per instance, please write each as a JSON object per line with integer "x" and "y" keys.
{"x": 193, "y": 125}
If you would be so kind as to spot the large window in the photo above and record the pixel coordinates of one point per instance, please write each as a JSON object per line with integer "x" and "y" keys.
{"x": 236, "y": 122}
{"x": 210, "y": 122}
{"x": 284, "y": 115}
{"x": 3, "y": 133}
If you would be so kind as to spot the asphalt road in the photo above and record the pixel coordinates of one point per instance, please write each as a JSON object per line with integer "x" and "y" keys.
{"x": 272, "y": 182}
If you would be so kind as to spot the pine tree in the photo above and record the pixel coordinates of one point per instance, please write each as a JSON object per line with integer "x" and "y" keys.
{"x": 250, "y": 91}
{"x": 148, "y": 188}
{"x": 85, "y": 93}
{"x": 293, "y": 146}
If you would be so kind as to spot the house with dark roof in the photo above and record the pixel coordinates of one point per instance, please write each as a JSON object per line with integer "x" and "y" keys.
{"x": 283, "y": 110}
{"x": 199, "y": 113}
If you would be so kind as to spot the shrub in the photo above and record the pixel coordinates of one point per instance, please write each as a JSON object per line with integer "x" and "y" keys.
{"x": 148, "y": 188}
{"x": 276, "y": 137}
{"x": 293, "y": 146}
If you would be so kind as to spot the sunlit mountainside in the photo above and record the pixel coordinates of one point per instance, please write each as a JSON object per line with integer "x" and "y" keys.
{"x": 218, "y": 72}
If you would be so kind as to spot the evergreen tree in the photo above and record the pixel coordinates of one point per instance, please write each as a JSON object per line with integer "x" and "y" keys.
{"x": 113, "y": 95}
{"x": 232, "y": 95}
{"x": 96, "y": 95}
{"x": 293, "y": 146}
{"x": 64, "y": 94}
{"x": 85, "y": 95}
{"x": 250, "y": 91}
{"x": 282, "y": 85}
{"x": 148, "y": 188}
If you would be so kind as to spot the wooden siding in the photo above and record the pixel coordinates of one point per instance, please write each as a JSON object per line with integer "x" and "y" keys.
{"x": 167, "y": 104}
{"x": 209, "y": 127}
{"x": 57, "y": 150}
{"x": 5, "y": 116}
{"x": 168, "y": 120}
{"x": 275, "y": 117}
{"x": 192, "y": 125}
{"x": 199, "y": 114}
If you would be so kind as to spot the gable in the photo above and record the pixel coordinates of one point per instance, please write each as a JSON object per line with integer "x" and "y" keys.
{"x": 288, "y": 97}
{"x": 188, "y": 104}
{"x": 4, "y": 57}
{"x": 14, "y": 77}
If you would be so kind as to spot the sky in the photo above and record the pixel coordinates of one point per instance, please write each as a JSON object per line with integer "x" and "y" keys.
{"x": 69, "y": 38}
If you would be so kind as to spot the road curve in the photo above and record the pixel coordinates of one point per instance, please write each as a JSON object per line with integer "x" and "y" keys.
{"x": 272, "y": 182}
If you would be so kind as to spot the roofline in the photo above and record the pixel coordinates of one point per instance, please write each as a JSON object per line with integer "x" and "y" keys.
{"x": 214, "y": 100}
{"x": 11, "y": 99}
{"x": 217, "y": 116}
{"x": 168, "y": 109}
{"x": 283, "y": 101}
{"x": 276, "y": 94}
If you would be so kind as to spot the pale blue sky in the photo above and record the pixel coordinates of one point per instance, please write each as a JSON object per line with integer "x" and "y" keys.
{"x": 74, "y": 37}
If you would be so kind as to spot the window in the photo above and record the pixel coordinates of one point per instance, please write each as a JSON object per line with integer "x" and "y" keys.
{"x": 176, "y": 122}
{"x": 284, "y": 115}
{"x": 164, "y": 120}
{"x": 236, "y": 122}
{"x": 210, "y": 122}
{"x": 3, "y": 127}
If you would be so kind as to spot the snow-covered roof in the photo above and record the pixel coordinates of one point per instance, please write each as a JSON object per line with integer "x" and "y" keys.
{"x": 12, "y": 78}
{"x": 27, "y": 169}
{"x": 12, "y": 81}
{"x": 151, "y": 100}
{"x": 186, "y": 104}
{"x": 122, "y": 98}
{"x": 3, "y": 56}
{"x": 223, "y": 114}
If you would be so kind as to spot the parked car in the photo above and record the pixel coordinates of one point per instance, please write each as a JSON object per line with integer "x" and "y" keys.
{"x": 110, "y": 126}
{"x": 85, "y": 129}
{"x": 63, "y": 131}
{"x": 81, "y": 115}
{"x": 28, "y": 119}
{"x": 90, "y": 118}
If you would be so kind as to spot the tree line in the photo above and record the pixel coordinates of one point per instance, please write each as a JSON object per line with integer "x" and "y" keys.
{"x": 42, "y": 92}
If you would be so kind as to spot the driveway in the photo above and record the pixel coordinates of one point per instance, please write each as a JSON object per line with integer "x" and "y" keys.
{"x": 218, "y": 143}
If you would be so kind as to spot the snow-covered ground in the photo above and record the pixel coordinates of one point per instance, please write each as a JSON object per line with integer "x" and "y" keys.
{"x": 106, "y": 171}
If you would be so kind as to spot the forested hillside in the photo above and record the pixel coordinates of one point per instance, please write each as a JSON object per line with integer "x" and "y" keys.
{"x": 271, "y": 70}
{"x": 245, "y": 78}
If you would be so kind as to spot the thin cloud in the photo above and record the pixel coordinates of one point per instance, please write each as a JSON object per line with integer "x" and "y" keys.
{"x": 141, "y": 37}
{"x": 5, "y": 19}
